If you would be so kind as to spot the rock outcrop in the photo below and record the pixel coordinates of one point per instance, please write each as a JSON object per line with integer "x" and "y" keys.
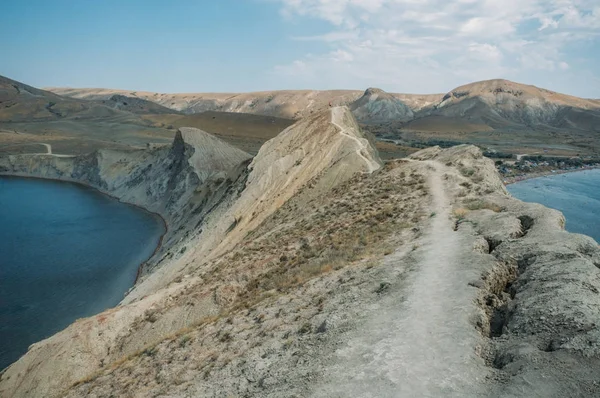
{"x": 191, "y": 175}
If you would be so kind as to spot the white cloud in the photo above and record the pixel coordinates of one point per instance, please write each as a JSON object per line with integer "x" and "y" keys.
{"x": 485, "y": 51}
{"x": 398, "y": 42}
{"x": 563, "y": 65}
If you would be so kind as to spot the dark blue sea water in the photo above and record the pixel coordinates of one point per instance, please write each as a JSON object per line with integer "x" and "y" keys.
{"x": 576, "y": 195}
{"x": 66, "y": 252}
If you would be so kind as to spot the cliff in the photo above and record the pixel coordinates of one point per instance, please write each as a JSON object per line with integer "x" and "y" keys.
{"x": 211, "y": 201}
{"x": 169, "y": 180}
{"x": 321, "y": 272}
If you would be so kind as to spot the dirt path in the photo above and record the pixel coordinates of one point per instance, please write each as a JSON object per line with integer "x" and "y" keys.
{"x": 419, "y": 342}
{"x": 49, "y": 151}
{"x": 335, "y": 116}
{"x": 48, "y": 148}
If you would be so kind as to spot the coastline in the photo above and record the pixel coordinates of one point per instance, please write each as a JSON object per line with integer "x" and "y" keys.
{"x": 539, "y": 174}
{"x": 71, "y": 181}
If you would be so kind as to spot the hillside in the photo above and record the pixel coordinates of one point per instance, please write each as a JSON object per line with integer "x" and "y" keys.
{"x": 501, "y": 104}
{"x": 246, "y": 131}
{"x": 20, "y": 102}
{"x": 136, "y": 105}
{"x": 496, "y": 114}
{"x": 36, "y": 121}
{"x": 315, "y": 271}
{"x": 31, "y": 118}
{"x": 287, "y": 104}
{"x": 377, "y": 106}
{"x": 509, "y": 117}
{"x": 495, "y": 103}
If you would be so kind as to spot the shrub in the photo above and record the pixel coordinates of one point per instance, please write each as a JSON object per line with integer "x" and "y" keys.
{"x": 479, "y": 204}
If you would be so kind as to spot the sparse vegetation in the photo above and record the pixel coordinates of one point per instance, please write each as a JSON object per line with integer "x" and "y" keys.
{"x": 479, "y": 204}
{"x": 461, "y": 213}
{"x": 353, "y": 227}
{"x": 467, "y": 172}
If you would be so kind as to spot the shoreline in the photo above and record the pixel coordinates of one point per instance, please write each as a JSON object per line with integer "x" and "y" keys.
{"x": 548, "y": 173}
{"x": 71, "y": 181}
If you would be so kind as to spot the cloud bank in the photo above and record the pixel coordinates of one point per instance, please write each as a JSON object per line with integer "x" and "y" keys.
{"x": 427, "y": 45}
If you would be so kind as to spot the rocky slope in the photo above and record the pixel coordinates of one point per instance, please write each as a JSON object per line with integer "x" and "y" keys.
{"x": 211, "y": 200}
{"x": 136, "y": 105}
{"x": 377, "y": 106}
{"x": 502, "y": 104}
{"x": 321, "y": 273}
{"x": 290, "y": 104}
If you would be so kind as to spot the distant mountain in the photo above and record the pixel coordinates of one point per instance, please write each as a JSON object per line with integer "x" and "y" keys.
{"x": 22, "y": 103}
{"x": 377, "y": 106}
{"x": 290, "y": 104}
{"x": 136, "y": 105}
{"x": 493, "y": 105}
{"x": 417, "y": 102}
{"x": 502, "y": 104}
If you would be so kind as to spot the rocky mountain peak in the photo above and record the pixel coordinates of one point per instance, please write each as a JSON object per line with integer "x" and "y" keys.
{"x": 378, "y": 106}
{"x": 374, "y": 90}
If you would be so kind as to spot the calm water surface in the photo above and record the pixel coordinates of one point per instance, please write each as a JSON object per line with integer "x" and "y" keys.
{"x": 576, "y": 195}
{"x": 66, "y": 252}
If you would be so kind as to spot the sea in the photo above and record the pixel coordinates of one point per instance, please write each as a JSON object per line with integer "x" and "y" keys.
{"x": 67, "y": 251}
{"x": 576, "y": 195}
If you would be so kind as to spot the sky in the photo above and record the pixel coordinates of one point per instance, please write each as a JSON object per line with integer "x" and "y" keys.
{"x": 407, "y": 46}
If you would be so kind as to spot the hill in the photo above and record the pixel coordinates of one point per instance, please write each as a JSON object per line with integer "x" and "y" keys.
{"x": 496, "y": 114}
{"x": 32, "y": 120}
{"x": 509, "y": 117}
{"x": 377, "y": 106}
{"x": 20, "y": 102}
{"x": 501, "y": 104}
{"x": 289, "y": 104}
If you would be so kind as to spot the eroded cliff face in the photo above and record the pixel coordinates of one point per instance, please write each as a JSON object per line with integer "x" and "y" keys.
{"x": 169, "y": 181}
{"x": 211, "y": 200}
{"x": 321, "y": 272}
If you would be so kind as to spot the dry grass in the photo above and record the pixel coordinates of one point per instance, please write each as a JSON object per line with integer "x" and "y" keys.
{"x": 354, "y": 226}
{"x": 461, "y": 213}
{"x": 478, "y": 204}
{"x": 351, "y": 226}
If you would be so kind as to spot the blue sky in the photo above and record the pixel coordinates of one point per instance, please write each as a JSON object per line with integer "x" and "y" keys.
{"x": 424, "y": 46}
